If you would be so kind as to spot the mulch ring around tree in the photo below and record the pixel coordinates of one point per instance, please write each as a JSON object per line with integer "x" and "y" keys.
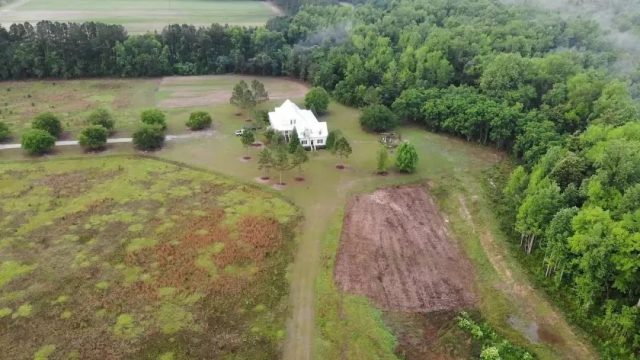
{"x": 257, "y": 144}
{"x": 299, "y": 178}
{"x": 262, "y": 179}
{"x": 245, "y": 158}
{"x": 340, "y": 167}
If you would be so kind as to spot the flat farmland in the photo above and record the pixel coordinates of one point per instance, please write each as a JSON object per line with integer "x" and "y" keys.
{"x": 129, "y": 257}
{"x": 140, "y": 16}
{"x": 73, "y": 100}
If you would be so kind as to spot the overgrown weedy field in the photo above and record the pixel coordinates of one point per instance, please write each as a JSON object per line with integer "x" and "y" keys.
{"x": 128, "y": 257}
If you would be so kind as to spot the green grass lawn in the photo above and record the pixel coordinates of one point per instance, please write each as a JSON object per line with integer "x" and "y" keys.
{"x": 451, "y": 168}
{"x": 140, "y": 258}
{"x": 140, "y": 16}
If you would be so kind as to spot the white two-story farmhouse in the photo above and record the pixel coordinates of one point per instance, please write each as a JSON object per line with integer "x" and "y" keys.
{"x": 288, "y": 117}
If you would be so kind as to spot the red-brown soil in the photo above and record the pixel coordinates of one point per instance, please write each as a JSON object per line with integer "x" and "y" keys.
{"x": 395, "y": 249}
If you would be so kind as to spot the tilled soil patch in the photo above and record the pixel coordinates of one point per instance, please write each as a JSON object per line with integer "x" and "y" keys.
{"x": 395, "y": 249}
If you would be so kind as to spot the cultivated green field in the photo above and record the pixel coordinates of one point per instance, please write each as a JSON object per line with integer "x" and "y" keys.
{"x": 128, "y": 257}
{"x": 140, "y": 16}
{"x": 73, "y": 100}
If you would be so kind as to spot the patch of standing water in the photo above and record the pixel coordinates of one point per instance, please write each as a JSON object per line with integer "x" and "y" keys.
{"x": 527, "y": 329}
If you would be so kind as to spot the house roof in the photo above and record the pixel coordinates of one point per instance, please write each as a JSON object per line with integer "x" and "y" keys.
{"x": 288, "y": 116}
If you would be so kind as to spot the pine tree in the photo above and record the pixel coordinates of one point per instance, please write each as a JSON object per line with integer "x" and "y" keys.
{"x": 260, "y": 95}
{"x": 382, "y": 160}
{"x": 247, "y": 139}
{"x": 299, "y": 157}
{"x": 342, "y": 148}
{"x": 265, "y": 161}
{"x": 294, "y": 142}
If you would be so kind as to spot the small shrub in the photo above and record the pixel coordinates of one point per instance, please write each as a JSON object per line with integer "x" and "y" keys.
{"x": 407, "y": 158}
{"x": 154, "y": 117}
{"x": 103, "y": 118}
{"x": 48, "y": 122}
{"x": 149, "y": 137}
{"x": 37, "y": 141}
{"x": 93, "y": 138}
{"x": 4, "y": 131}
{"x": 199, "y": 120}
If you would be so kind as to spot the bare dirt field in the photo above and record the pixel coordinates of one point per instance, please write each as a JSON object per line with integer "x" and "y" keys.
{"x": 395, "y": 249}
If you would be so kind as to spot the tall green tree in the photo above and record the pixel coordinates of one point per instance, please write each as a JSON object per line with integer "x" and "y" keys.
{"x": 317, "y": 100}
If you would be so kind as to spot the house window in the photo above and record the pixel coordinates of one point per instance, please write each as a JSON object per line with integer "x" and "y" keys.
{"x": 304, "y": 142}
{"x": 320, "y": 141}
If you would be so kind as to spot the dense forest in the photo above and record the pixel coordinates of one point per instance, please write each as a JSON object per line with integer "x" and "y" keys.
{"x": 523, "y": 80}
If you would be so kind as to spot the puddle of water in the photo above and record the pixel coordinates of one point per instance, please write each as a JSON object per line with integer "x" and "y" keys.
{"x": 534, "y": 332}
{"x": 529, "y": 330}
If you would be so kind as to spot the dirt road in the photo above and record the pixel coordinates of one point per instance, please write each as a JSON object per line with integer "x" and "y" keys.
{"x": 301, "y": 325}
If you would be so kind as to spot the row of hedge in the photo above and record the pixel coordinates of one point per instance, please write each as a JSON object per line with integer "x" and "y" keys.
{"x": 46, "y": 128}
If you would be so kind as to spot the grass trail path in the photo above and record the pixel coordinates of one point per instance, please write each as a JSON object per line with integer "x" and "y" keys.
{"x": 516, "y": 287}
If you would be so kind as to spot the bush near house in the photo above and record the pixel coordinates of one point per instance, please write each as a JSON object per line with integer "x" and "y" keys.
{"x": 149, "y": 137}
{"x": 93, "y": 138}
{"x": 199, "y": 120}
{"x": 48, "y": 122}
{"x": 37, "y": 141}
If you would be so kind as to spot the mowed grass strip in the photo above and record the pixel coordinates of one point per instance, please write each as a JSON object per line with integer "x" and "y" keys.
{"x": 140, "y": 16}
{"x": 139, "y": 258}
